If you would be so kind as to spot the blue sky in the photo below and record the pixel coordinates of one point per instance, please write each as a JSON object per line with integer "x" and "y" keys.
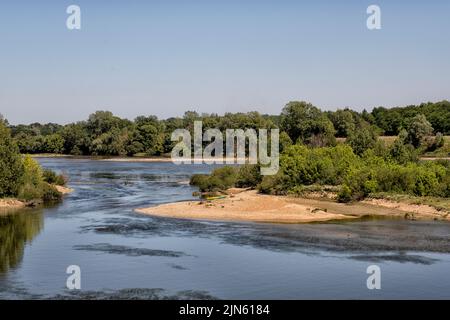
{"x": 165, "y": 57}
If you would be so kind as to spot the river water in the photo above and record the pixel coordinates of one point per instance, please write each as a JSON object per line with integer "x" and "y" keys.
{"x": 126, "y": 255}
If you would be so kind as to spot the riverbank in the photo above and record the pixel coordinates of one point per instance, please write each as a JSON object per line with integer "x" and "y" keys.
{"x": 135, "y": 159}
{"x": 255, "y": 207}
{"x": 12, "y": 203}
{"x": 63, "y": 190}
{"x": 169, "y": 159}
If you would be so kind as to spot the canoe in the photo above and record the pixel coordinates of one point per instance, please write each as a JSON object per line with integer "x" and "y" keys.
{"x": 215, "y": 198}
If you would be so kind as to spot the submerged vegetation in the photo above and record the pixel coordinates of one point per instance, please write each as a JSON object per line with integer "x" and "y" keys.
{"x": 22, "y": 177}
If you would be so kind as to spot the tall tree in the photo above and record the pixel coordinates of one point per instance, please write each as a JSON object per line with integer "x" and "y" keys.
{"x": 302, "y": 121}
{"x": 418, "y": 130}
{"x": 11, "y": 166}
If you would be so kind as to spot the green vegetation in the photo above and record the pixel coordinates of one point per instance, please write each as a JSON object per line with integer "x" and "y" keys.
{"x": 246, "y": 176}
{"x": 441, "y": 147}
{"x": 52, "y": 178}
{"x": 342, "y": 148}
{"x": 22, "y": 177}
{"x": 377, "y": 170}
{"x": 299, "y": 122}
{"x": 393, "y": 120}
{"x": 11, "y": 165}
{"x": 307, "y": 124}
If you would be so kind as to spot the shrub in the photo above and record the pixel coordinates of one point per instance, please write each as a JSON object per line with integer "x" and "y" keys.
{"x": 249, "y": 176}
{"x": 305, "y": 166}
{"x": 345, "y": 194}
{"x": 444, "y": 187}
{"x": 274, "y": 184}
{"x": 51, "y": 177}
{"x": 28, "y": 192}
{"x": 198, "y": 180}
{"x": 424, "y": 179}
{"x": 32, "y": 180}
{"x": 220, "y": 179}
{"x": 435, "y": 143}
{"x": 403, "y": 153}
{"x": 50, "y": 194}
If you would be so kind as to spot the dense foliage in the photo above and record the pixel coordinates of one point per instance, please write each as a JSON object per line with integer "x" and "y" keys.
{"x": 393, "y": 120}
{"x": 106, "y": 134}
{"x": 22, "y": 177}
{"x": 312, "y": 149}
{"x": 377, "y": 170}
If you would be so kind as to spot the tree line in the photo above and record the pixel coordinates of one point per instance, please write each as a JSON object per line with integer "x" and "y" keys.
{"x": 105, "y": 134}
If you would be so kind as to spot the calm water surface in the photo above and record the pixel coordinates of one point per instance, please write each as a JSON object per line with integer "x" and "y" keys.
{"x": 126, "y": 255}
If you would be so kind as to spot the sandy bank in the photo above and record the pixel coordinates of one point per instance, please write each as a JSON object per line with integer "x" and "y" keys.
{"x": 251, "y": 206}
{"x": 11, "y": 204}
{"x": 414, "y": 211}
{"x": 63, "y": 190}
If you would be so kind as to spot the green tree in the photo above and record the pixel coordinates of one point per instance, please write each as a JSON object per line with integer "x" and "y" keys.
{"x": 11, "y": 166}
{"x": 76, "y": 139}
{"x": 149, "y": 134}
{"x": 54, "y": 143}
{"x": 401, "y": 151}
{"x": 418, "y": 130}
{"x": 343, "y": 122}
{"x": 306, "y": 123}
{"x": 362, "y": 140}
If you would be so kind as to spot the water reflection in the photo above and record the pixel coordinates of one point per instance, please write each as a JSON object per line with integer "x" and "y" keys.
{"x": 16, "y": 230}
{"x": 125, "y": 255}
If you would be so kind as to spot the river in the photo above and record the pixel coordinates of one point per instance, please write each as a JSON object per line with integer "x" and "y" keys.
{"x": 125, "y": 255}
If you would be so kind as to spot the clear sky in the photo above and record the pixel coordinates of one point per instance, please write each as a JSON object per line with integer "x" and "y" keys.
{"x": 165, "y": 57}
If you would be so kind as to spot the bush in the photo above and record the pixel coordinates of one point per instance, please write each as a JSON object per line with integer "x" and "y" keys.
{"x": 28, "y": 192}
{"x": 50, "y": 194}
{"x": 220, "y": 179}
{"x": 32, "y": 180}
{"x": 198, "y": 180}
{"x": 51, "y": 177}
{"x": 345, "y": 194}
{"x": 249, "y": 176}
{"x": 305, "y": 166}
{"x": 444, "y": 187}
{"x": 435, "y": 143}
{"x": 424, "y": 179}
{"x": 36, "y": 182}
{"x": 274, "y": 184}
{"x": 403, "y": 152}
